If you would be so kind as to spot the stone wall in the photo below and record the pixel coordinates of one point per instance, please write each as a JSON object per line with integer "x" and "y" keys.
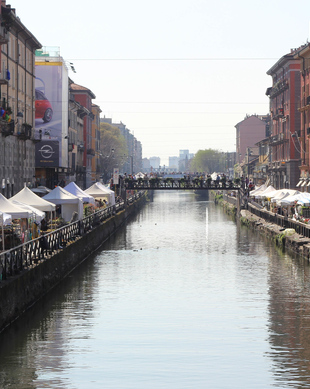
{"x": 20, "y": 292}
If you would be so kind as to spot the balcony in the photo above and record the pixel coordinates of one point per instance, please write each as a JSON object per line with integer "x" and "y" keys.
{"x": 6, "y": 128}
{"x": 277, "y": 139}
{"x": 3, "y": 34}
{"x": 279, "y": 114}
{"x": 91, "y": 152}
{"x": 25, "y": 133}
{"x": 278, "y": 88}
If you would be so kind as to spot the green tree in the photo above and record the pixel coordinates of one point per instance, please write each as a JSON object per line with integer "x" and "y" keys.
{"x": 208, "y": 161}
{"x": 113, "y": 150}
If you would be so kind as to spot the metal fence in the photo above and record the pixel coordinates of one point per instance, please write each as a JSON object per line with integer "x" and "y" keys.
{"x": 274, "y": 218}
{"x": 30, "y": 253}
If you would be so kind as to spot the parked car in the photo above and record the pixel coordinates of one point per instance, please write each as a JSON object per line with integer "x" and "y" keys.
{"x": 44, "y": 108}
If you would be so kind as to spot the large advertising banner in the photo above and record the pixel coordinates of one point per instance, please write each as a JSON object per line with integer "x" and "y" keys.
{"x": 47, "y": 153}
{"x": 51, "y": 106}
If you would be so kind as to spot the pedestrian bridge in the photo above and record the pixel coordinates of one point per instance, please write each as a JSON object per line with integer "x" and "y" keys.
{"x": 157, "y": 183}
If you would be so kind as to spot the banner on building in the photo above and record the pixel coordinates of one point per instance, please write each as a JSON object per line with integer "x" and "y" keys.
{"x": 47, "y": 153}
{"x": 51, "y": 105}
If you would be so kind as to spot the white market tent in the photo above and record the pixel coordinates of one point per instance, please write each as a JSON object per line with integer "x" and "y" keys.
{"x": 258, "y": 190}
{"x": 68, "y": 202}
{"x": 41, "y": 190}
{"x": 13, "y": 210}
{"x": 283, "y": 193}
{"x": 290, "y": 200}
{"x": 140, "y": 175}
{"x": 77, "y": 191}
{"x": 36, "y": 214}
{"x": 265, "y": 193}
{"x": 26, "y": 196}
{"x": 99, "y": 191}
{"x": 5, "y": 220}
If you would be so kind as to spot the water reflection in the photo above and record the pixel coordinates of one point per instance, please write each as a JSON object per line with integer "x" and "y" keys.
{"x": 183, "y": 297}
{"x": 289, "y": 310}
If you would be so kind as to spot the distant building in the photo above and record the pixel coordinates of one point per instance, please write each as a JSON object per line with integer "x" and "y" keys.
{"x": 154, "y": 162}
{"x": 133, "y": 163}
{"x": 174, "y": 163}
{"x": 248, "y": 132}
{"x": 146, "y": 166}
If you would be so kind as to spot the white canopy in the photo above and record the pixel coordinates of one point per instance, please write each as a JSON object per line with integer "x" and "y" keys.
{"x": 282, "y": 193}
{"x": 140, "y": 175}
{"x": 36, "y": 214}
{"x": 290, "y": 200}
{"x": 69, "y": 203}
{"x": 77, "y": 191}
{"x": 13, "y": 210}
{"x": 26, "y": 196}
{"x": 99, "y": 191}
{"x": 5, "y": 219}
{"x": 258, "y": 190}
{"x": 265, "y": 193}
{"x": 41, "y": 190}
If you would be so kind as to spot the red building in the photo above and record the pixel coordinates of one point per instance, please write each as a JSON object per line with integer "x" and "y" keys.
{"x": 303, "y": 56}
{"x": 84, "y": 96}
{"x": 284, "y": 142}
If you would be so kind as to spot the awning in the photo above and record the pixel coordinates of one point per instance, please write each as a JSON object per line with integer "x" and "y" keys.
{"x": 299, "y": 183}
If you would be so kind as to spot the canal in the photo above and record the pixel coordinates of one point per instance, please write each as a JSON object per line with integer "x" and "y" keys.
{"x": 182, "y": 297}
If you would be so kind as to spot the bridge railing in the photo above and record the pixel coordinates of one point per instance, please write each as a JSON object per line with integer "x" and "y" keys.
{"x": 28, "y": 254}
{"x": 180, "y": 183}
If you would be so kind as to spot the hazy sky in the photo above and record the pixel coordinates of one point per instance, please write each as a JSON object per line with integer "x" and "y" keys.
{"x": 179, "y": 73}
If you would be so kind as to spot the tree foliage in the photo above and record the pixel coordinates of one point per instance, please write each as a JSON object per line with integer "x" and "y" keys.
{"x": 208, "y": 161}
{"x": 113, "y": 149}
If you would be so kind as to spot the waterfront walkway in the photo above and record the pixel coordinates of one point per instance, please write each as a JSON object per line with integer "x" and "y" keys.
{"x": 27, "y": 255}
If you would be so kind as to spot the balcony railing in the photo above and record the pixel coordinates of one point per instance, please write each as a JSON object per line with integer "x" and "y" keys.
{"x": 7, "y": 128}
{"x": 91, "y": 152}
{"x": 26, "y": 131}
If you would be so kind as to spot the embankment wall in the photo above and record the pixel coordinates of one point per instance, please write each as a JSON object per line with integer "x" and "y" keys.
{"x": 286, "y": 238}
{"x": 21, "y": 291}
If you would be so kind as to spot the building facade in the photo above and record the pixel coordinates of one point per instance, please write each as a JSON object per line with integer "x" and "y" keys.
{"x": 303, "y": 56}
{"x": 84, "y": 97}
{"x": 285, "y": 121}
{"x": 248, "y": 132}
{"x": 17, "y": 103}
{"x": 95, "y": 133}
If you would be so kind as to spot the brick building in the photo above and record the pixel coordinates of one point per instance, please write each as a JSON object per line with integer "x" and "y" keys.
{"x": 284, "y": 142}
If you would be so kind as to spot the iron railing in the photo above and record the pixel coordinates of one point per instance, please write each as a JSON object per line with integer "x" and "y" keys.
{"x": 28, "y": 254}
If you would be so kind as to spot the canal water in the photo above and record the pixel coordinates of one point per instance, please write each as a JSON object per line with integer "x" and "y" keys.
{"x": 182, "y": 297}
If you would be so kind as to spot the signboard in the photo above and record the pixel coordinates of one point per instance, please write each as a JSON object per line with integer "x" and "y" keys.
{"x": 51, "y": 105}
{"x": 47, "y": 153}
{"x": 116, "y": 176}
